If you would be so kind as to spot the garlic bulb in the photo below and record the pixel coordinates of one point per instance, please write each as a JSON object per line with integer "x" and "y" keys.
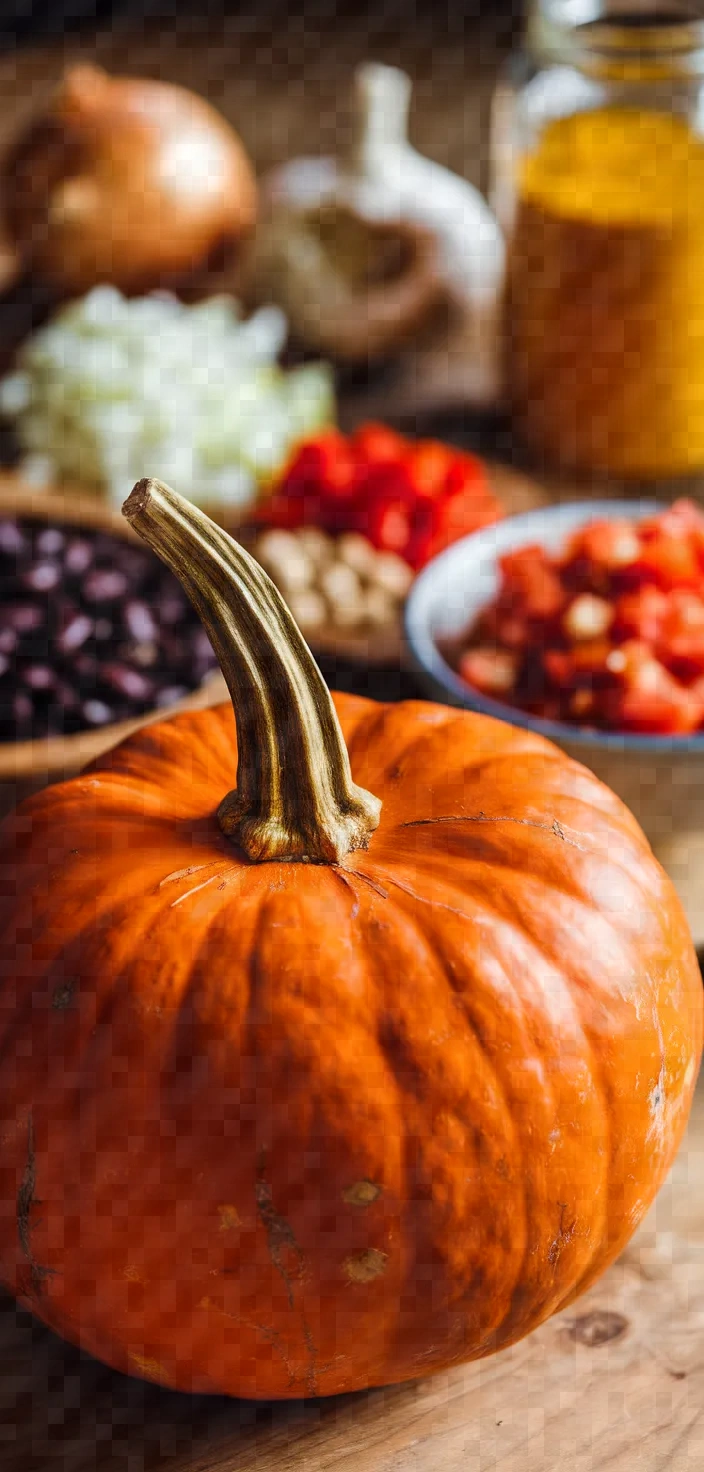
{"x": 384, "y": 251}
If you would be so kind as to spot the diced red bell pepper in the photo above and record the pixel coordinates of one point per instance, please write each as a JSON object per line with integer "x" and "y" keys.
{"x": 454, "y": 517}
{"x": 376, "y": 444}
{"x": 326, "y": 464}
{"x": 429, "y": 465}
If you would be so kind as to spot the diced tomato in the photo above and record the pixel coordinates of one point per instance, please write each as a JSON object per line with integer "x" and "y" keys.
{"x": 531, "y": 581}
{"x": 647, "y": 698}
{"x": 612, "y": 632}
{"x": 681, "y": 519}
{"x": 666, "y": 710}
{"x": 641, "y": 614}
{"x": 559, "y": 666}
{"x": 680, "y": 644}
{"x": 607, "y": 545}
{"x": 503, "y": 626}
{"x": 669, "y": 562}
{"x": 492, "y": 671}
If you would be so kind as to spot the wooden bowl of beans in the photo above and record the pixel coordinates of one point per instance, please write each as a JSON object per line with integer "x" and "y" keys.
{"x": 96, "y": 637}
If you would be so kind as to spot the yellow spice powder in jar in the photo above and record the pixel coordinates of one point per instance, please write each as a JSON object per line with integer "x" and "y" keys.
{"x": 606, "y": 295}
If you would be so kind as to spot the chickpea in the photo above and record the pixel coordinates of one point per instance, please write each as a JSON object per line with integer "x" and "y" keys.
{"x": 286, "y": 561}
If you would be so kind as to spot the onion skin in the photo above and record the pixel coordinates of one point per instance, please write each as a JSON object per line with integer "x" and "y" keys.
{"x": 128, "y": 181}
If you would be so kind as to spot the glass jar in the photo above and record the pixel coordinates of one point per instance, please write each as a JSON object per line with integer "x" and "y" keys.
{"x": 598, "y": 157}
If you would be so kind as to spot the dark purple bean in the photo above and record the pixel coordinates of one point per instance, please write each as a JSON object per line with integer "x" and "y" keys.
{"x": 38, "y": 676}
{"x": 169, "y": 695}
{"x": 128, "y": 682}
{"x": 144, "y": 656}
{"x": 23, "y": 617}
{"x": 78, "y": 556}
{"x": 139, "y": 621}
{"x": 50, "y": 542}
{"x": 170, "y": 607}
{"x": 13, "y": 543}
{"x": 118, "y": 637}
{"x": 96, "y": 713}
{"x": 75, "y": 628}
{"x": 22, "y": 710}
{"x": 104, "y": 585}
{"x": 173, "y": 650}
{"x": 201, "y": 646}
{"x": 64, "y": 699}
{"x": 43, "y": 577}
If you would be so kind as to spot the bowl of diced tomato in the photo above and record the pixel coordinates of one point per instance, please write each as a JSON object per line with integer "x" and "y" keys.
{"x": 585, "y": 624}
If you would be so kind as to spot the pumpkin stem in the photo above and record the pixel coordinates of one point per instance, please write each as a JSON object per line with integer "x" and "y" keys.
{"x": 295, "y": 798}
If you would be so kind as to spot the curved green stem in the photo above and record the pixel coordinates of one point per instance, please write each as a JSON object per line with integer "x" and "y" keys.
{"x": 295, "y": 798}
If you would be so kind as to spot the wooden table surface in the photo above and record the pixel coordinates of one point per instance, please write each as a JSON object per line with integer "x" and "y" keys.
{"x": 617, "y": 1382}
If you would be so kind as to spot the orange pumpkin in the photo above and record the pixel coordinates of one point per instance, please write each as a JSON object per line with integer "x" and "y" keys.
{"x": 280, "y": 1128}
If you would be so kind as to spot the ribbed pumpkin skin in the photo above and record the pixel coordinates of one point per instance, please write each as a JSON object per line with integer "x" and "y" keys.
{"x": 285, "y": 1129}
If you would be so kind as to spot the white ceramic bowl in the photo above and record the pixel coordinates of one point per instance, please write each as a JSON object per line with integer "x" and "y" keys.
{"x": 660, "y": 778}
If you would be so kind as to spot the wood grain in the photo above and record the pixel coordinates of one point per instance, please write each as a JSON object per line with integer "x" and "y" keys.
{"x": 614, "y": 1384}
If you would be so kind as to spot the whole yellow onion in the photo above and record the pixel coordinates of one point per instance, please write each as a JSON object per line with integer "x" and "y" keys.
{"x": 125, "y": 180}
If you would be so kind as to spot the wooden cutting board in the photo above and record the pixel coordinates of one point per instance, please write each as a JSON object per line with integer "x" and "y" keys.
{"x": 614, "y": 1384}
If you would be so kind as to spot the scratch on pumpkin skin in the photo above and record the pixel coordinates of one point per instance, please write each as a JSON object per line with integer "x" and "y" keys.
{"x": 359, "y": 874}
{"x": 564, "y": 1236}
{"x": 188, "y": 892}
{"x": 340, "y": 873}
{"x": 555, "y": 827}
{"x": 186, "y": 873}
{"x": 26, "y": 1199}
{"x": 270, "y": 1335}
{"x": 280, "y": 1235}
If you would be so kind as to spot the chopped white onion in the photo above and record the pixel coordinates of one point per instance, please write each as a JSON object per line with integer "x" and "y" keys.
{"x": 112, "y": 390}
